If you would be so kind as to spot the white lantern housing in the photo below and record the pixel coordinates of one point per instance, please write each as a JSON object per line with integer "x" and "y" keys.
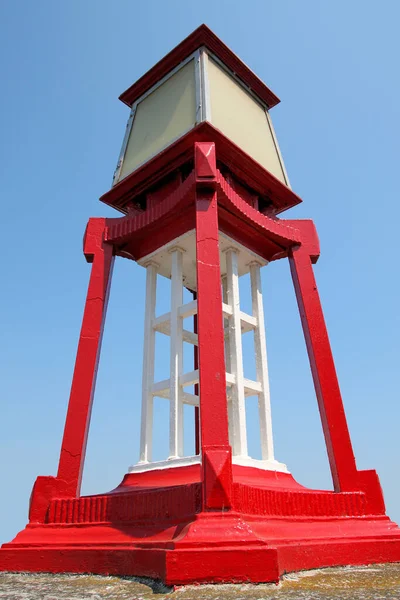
{"x": 200, "y": 88}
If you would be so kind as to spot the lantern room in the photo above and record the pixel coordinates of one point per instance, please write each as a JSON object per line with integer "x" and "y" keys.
{"x": 200, "y": 88}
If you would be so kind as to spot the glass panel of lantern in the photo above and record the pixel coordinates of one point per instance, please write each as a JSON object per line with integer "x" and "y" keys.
{"x": 200, "y": 89}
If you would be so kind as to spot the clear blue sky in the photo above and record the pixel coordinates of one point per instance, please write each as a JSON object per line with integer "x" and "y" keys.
{"x": 63, "y": 65}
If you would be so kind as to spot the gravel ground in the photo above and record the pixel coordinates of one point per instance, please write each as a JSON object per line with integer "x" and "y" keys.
{"x": 347, "y": 583}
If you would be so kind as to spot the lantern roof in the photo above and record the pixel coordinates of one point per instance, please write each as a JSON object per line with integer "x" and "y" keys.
{"x": 200, "y": 37}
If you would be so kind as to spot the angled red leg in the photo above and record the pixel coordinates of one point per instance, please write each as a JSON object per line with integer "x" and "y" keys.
{"x": 73, "y": 447}
{"x": 345, "y": 475}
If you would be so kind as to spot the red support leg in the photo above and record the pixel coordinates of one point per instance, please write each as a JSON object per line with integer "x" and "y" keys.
{"x": 214, "y": 437}
{"x": 68, "y": 481}
{"x": 337, "y": 437}
{"x": 345, "y": 475}
{"x": 73, "y": 447}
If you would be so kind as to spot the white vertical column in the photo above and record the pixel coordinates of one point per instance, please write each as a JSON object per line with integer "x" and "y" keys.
{"x": 228, "y": 365}
{"x": 260, "y": 348}
{"x": 239, "y": 445}
{"x": 146, "y": 429}
{"x": 176, "y": 368}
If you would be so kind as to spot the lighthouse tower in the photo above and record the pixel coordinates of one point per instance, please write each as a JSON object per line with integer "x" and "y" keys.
{"x": 201, "y": 185}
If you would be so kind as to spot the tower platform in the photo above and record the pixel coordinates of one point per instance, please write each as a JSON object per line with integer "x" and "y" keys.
{"x": 152, "y": 525}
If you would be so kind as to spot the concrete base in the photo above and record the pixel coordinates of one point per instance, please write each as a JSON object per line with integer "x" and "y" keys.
{"x": 152, "y": 525}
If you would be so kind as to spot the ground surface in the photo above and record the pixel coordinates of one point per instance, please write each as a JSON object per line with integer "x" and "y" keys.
{"x": 348, "y": 583}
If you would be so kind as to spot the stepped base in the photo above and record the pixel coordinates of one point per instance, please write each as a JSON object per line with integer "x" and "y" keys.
{"x": 275, "y": 526}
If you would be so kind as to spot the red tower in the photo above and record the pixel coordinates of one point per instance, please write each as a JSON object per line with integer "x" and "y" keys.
{"x": 200, "y": 183}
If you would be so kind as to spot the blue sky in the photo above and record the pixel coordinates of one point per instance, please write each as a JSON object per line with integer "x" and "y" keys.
{"x": 63, "y": 64}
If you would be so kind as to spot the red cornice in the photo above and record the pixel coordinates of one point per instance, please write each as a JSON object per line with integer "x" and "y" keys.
{"x": 137, "y": 236}
{"x": 202, "y": 36}
{"x": 121, "y": 229}
{"x": 276, "y": 230}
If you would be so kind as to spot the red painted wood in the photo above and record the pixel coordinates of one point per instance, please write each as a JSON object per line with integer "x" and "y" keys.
{"x": 157, "y": 504}
{"x": 178, "y": 498}
{"x": 274, "y": 229}
{"x": 166, "y": 231}
{"x": 215, "y": 448}
{"x": 73, "y": 447}
{"x": 345, "y": 475}
{"x": 123, "y": 229}
{"x": 231, "y": 156}
{"x": 241, "y": 564}
{"x": 44, "y": 490}
{"x": 337, "y": 437}
{"x": 153, "y": 525}
{"x": 205, "y": 161}
{"x": 202, "y": 36}
{"x": 137, "y": 235}
{"x": 158, "y": 194}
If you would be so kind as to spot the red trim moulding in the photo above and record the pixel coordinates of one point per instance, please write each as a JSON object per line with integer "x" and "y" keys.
{"x": 138, "y": 235}
{"x": 202, "y": 36}
{"x": 246, "y": 169}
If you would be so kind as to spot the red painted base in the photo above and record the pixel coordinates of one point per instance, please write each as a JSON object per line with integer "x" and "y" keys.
{"x": 152, "y": 525}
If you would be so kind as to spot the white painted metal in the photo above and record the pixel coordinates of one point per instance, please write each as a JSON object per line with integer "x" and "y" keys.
{"x": 164, "y": 393}
{"x": 226, "y": 309}
{"x": 247, "y": 322}
{"x": 278, "y": 150}
{"x": 188, "y": 310}
{"x": 205, "y": 87}
{"x": 227, "y": 312}
{"x": 230, "y": 379}
{"x": 191, "y": 399}
{"x": 251, "y": 387}
{"x": 190, "y": 378}
{"x": 268, "y": 465}
{"x": 236, "y": 322}
{"x": 162, "y": 320}
{"x": 146, "y": 429}
{"x": 260, "y": 348}
{"x": 190, "y": 337}
{"x": 171, "y": 324}
{"x": 163, "y": 325}
{"x": 176, "y": 364}
{"x": 187, "y": 242}
{"x": 160, "y": 387}
{"x": 124, "y": 145}
{"x": 198, "y": 83}
{"x": 166, "y": 464}
{"x": 239, "y": 445}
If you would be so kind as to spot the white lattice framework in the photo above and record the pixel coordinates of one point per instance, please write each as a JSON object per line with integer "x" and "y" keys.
{"x": 236, "y": 323}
